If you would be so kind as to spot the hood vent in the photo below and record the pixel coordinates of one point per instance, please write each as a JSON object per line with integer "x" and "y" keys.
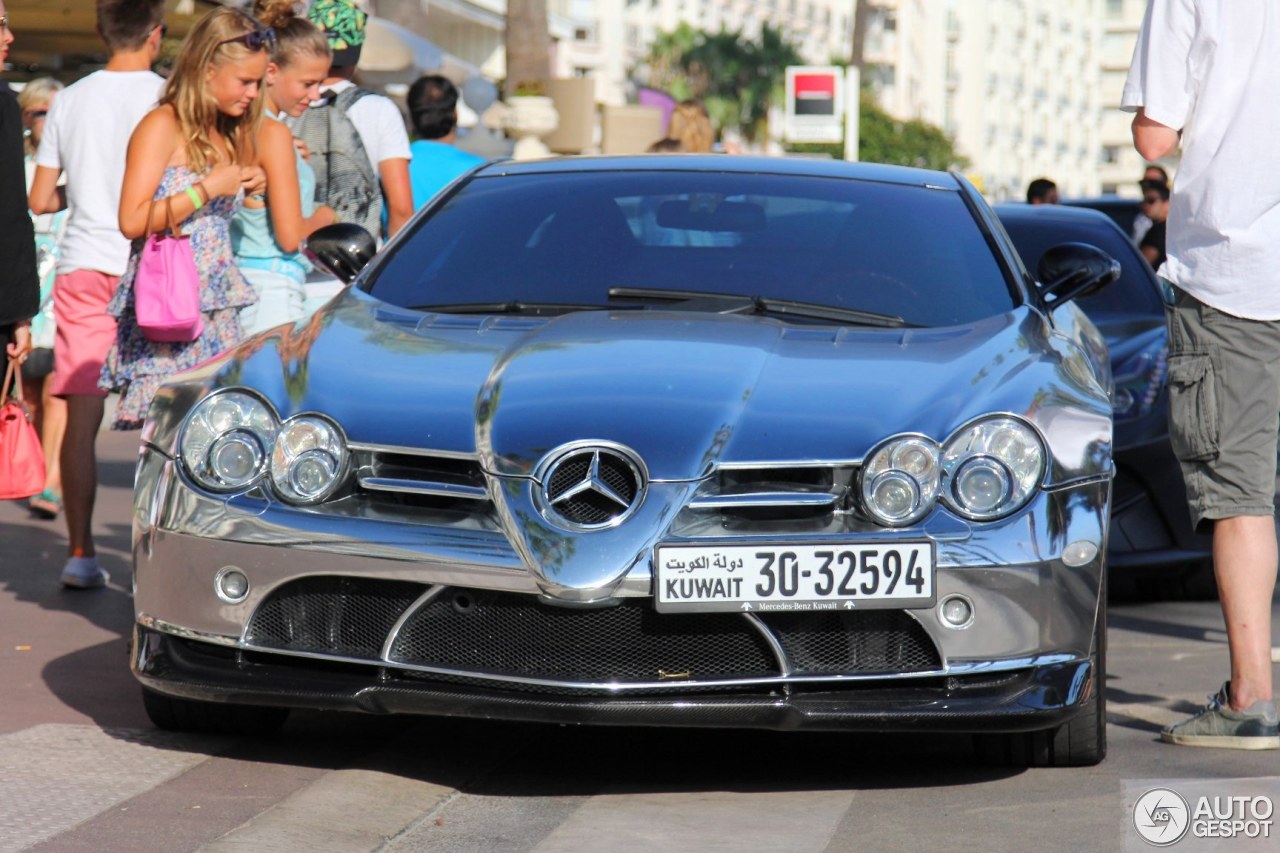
{"x": 419, "y": 477}
{"x": 776, "y": 492}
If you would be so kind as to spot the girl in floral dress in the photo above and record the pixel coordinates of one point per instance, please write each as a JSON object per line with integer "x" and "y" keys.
{"x": 192, "y": 154}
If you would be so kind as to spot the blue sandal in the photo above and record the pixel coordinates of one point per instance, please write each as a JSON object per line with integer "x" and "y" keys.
{"x": 47, "y": 504}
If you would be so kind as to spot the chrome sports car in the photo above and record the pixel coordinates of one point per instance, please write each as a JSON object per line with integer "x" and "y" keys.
{"x": 689, "y": 441}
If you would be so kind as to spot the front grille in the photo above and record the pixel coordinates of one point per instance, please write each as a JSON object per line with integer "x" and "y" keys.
{"x": 512, "y": 634}
{"x": 858, "y": 642}
{"x": 349, "y": 617}
{"x": 503, "y": 634}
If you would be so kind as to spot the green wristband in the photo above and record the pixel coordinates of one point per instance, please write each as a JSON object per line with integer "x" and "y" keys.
{"x": 195, "y": 197}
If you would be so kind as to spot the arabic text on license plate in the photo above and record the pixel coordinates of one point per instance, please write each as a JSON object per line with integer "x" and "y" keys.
{"x": 794, "y": 577}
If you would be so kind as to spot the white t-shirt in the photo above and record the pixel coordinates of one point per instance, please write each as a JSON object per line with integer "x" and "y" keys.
{"x": 1210, "y": 68}
{"x": 86, "y": 136}
{"x": 380, "y": 125}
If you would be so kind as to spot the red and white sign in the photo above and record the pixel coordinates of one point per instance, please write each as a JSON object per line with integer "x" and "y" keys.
{"x": 815, "y": 103}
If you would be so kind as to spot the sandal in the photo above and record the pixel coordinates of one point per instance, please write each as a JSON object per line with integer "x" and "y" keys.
{"x": 47, "y": 504}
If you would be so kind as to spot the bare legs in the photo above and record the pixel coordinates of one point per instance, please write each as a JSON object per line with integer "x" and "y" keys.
{"x": 80, "y": 470}
{"x": 1244, "y": 561}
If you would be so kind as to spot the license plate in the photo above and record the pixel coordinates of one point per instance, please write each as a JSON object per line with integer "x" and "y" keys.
{"x": 770, "y": 578}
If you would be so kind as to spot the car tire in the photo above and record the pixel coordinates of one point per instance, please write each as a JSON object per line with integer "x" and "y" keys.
{"x": 1195, "y": 584}
{"x": 189, "y": 715}
{"x": 1079, "y": 742}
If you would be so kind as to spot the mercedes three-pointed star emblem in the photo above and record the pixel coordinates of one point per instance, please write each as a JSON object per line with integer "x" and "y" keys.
{"x": 587, "y": 487}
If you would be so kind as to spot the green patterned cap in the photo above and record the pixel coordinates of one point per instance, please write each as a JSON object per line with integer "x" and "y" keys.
{"x": 343, "y": 25}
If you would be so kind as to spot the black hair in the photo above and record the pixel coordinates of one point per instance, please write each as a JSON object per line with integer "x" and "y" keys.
{"x": 1038, "y": 190}
{"x": 1161, "y": 188}
{"x": 126, "y": 24}
{"x": 433, "y": 106}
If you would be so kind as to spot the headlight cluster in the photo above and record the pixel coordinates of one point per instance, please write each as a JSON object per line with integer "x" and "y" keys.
{"x": 984, "y": 471}
{"x": 231, "y": 440}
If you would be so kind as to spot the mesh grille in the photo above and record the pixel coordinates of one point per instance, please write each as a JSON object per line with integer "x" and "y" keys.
{"x": 332, "y": 615}
{"x": 513, "y": 634}
{"x": 870, "y": 641}
{"x": 568, "y": 473}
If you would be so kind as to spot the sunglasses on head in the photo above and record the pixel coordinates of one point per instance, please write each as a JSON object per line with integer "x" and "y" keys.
{"x": 255, "y": 40}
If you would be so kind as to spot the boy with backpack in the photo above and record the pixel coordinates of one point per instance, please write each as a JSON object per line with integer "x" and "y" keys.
{"x": 358, "y": 145}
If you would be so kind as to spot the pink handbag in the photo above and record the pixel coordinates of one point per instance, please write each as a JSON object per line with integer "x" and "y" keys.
{"x": 21, "y": 457}
{"x": 166, "y": 287}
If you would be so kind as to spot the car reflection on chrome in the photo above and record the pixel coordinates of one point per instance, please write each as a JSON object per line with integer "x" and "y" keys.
{"x": 671, "y": 441}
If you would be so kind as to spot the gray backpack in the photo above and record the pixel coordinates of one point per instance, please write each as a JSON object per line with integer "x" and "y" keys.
{"x": 346, "y": 179}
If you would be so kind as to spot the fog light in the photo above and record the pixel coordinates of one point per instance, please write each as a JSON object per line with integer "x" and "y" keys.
{"x": 1079, "y": 553}
{"x": 956, "y": 611}
{"x": 231, "y": 585}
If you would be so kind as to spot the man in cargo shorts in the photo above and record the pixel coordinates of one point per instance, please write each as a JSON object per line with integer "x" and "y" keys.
{"x": 1205, "y": 73}
{"x": 86, "y": 134}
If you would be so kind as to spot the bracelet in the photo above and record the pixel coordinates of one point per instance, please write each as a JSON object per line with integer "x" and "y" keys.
{"x": 204, "y": 193}
{"x": 195, "y": 197}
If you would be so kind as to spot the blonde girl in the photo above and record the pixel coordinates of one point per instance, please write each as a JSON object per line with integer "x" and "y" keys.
{"x": 194, "y": 155}
{"x": 267, "y": 233}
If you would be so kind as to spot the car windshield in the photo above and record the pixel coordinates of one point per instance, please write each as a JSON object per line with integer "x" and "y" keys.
{"x": 883, "y": 253}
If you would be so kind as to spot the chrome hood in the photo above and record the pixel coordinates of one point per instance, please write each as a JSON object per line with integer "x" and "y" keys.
{"x": 684, "y": 391}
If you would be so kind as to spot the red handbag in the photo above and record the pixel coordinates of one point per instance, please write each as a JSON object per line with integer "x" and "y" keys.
{"x": 21, "y": 457}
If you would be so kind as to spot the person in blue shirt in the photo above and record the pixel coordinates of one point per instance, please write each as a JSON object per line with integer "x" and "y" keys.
{"x": 433, "y": 109}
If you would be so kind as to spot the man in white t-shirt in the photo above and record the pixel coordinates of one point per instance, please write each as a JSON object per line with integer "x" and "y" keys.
{"x": 86, "y": 134}
{"x": 376, "y": 118}
{"x": 1205, "y": 74}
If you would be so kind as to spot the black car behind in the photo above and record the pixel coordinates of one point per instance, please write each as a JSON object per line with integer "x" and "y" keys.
{"x": 1153, "y": 550}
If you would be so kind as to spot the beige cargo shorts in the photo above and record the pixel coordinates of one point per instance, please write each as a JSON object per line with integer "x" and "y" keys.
{"x": 1224, "y": 407}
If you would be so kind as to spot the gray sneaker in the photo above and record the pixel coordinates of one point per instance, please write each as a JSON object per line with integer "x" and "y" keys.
{"x": 84, "y": 573}
{"x": 1218, "y": 726}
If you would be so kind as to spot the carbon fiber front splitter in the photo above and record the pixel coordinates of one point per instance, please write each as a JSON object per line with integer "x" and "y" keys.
{"x": 1023, "y": 700}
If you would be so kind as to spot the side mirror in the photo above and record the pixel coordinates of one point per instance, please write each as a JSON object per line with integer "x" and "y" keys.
{"x": 342, "y": 249}
{"x": 1071, "y": 270}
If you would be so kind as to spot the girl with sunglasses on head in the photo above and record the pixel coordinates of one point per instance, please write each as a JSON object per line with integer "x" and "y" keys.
{"x": 267, "y": 233}
{"x": 194, "y": 155}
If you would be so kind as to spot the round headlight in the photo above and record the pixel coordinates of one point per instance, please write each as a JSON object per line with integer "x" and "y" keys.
{"x": 309, "y": 461}
{"x": 226, "y": 440}
{"x": 992, "y": 468}
{"x": 900, "y": 480}
{"x": 980, "y": 485}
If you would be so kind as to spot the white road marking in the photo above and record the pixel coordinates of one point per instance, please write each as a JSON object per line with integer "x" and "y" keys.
{"x": 702, "y": 821}
{"x": 55, "y": 776}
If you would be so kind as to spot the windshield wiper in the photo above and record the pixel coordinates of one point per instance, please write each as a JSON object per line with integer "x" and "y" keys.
{"x": 741, "y": 303}
{"x": 514, "y": 306}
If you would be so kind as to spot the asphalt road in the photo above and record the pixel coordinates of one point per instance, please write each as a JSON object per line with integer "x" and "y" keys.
{"x": 82, "y": 769}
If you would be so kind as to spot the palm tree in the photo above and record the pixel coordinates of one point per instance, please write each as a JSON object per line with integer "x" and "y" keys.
{"x": 736, "y": 78}
{"x": 528, "y": 44}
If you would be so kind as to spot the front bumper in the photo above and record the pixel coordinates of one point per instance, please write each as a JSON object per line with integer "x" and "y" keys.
{"x": 1031, "y": 699}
